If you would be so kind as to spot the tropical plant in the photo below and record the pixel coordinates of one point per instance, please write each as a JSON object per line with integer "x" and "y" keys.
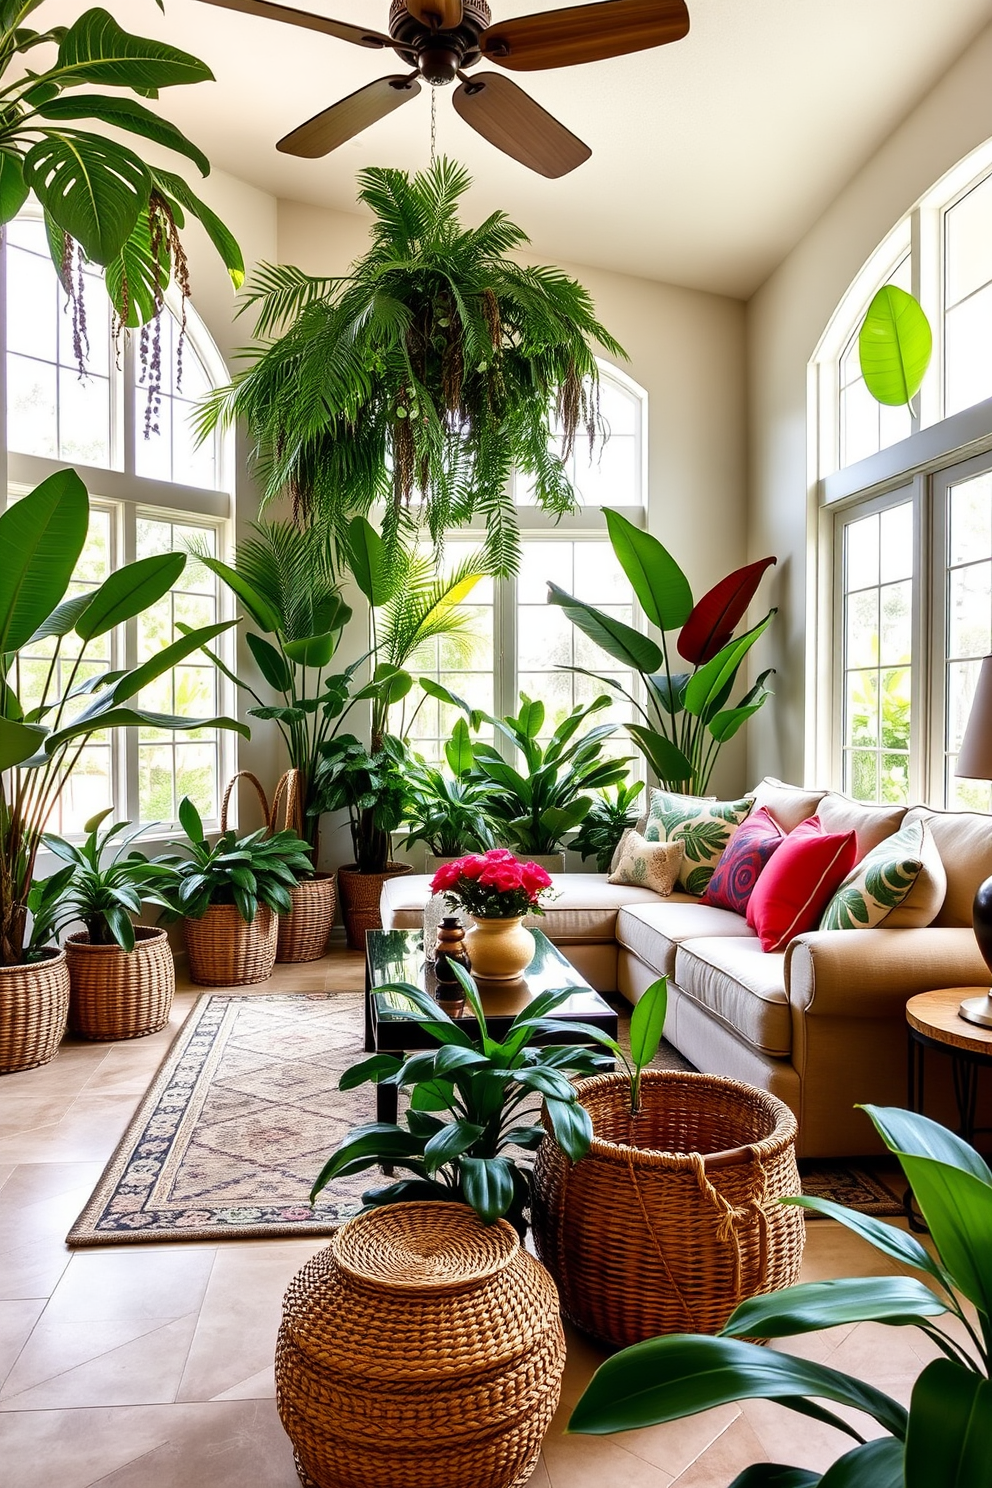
{"x": 472, "y": 1101}
{"x": 492, "y": 885}
{"x": 605, "y": 822}
{"x": 370, "y": 784}
{"x": 687, "y": 715}
{"x": 894, "y": 346}
{"x": 104, "y": 895}
{"x": 945, "y": 1438}
{"x": 44, "y": 728}
{"x": 434, "y": 368}
{"x": 101, "y": 201}
{"x": 243, "y": 871}
{"x": 448, "y": 813}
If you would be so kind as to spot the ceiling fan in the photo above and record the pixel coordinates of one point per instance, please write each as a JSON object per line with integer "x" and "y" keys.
{"x": 441, "y": 39}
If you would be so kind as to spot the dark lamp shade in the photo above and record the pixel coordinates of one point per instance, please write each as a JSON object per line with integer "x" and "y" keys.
{"x": 975, "y": 759}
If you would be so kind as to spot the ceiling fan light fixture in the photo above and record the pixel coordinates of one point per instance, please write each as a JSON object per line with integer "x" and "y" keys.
{"x": 438, "y": 63}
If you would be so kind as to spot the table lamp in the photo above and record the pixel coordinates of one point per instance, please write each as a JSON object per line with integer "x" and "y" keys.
{"x": 975, "y": 763}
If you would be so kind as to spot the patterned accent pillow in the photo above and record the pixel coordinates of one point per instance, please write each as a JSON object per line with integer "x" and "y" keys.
{"x": 737, "y": 871}
{"x": 651, "y": 865}
{"x": 702, "y": 825}
{"x": 879, "y": 883}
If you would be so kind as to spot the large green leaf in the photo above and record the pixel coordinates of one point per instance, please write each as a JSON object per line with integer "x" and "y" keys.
{"x": 256, "y": 604}
{"x": 661, "y": 587}
{"x": 368, "y": 561}
{"x": 94, "y": 188}
{"x": 138, "y": 718}
{"x": 128, "y": 592}
{"x": 665, "y": 1379}
{"x": 875, "y": 1464}
{"x": 705, "y": 685}
{"x": 949, "y": 1444}
{"x": 313, "y": 651}
{"x": 125, "y": 113}
{"x": 458, "y": 749}
{"x": 622, "y": 642}
{"x": 41, "y": 538}
{"x": 96, "y": 50}
{"x": 271, "y": 663}
{"x": 13, "y": 187}
{"x": 572, "y": 1126}
{"x": 450, "y": 1142}
{"x": 63, "y": 618}
{"x": 138, "y": 277}
{"x": 647, "y": 1022}
{"x": 175, "y": 188}
{"x": 163, "y": 661}
{"x": 829, "y": 1304}
{"x": 887, "y": 1238}
{"x": 487, "y": 1185}
{"x": 894, "y": 345}
{"x": 19, "y": 742}
{"x": 665, "y": 758}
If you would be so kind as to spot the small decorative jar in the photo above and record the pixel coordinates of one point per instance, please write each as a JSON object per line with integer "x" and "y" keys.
{"x": 500, "y": 949}
{"x": 448, "y": 947}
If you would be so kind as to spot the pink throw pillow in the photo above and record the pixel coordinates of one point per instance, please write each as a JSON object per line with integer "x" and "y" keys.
{"x": 798, "y": 883}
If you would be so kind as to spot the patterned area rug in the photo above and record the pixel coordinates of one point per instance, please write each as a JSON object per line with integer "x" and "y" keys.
{"x": 245, "y": 1111}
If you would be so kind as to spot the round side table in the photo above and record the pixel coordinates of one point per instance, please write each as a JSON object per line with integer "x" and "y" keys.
{"x": 933, "y": 1023}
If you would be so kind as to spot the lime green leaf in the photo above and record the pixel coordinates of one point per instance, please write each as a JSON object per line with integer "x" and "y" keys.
{"x": 125, "y": 113}
{"x": 661, "y": 587}
{"x": 894, "y": 345}
{"x": 41, "y": 538}
{"x": 647, "y": 1023}
{"x": 128, "y": 592}
{"x": 93, "y": 188}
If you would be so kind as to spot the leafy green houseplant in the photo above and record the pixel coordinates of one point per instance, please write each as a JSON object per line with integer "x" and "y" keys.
{"x": 945, "y": 1437}
{"x": 371, "y": 787}
{"x": 687, "y": 716}
{"x": 471, "y": 1108}
{"x": 605, "y": 822}
{"x": 433, "y": 368}
{"x": 100, "y": 198}
{"x": 447, "y": 812}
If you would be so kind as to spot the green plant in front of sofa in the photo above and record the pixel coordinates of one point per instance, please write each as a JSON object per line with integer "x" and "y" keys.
{"x": 447, "y": 812}
{"x": 605, "y": 822}
{"x": 103, "y": 894}
{"x": 48, "y": 714}
{"x": 243, "y": 871}
{"x": 944, "y": 1440}
{"x": 685, "y": 717}
{"x": 472, "y": 1100}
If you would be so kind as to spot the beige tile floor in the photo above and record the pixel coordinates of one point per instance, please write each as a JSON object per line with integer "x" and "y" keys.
{"x": 151, "y": 1366}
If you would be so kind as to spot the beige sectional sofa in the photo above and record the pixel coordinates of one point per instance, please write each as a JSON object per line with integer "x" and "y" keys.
{"x": 821, "y": 1025}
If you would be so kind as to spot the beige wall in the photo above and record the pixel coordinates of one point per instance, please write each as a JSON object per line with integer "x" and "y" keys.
{"x": 785, "y": 321}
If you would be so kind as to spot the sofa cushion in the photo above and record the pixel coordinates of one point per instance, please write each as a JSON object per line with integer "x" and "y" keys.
{"x": 872, "y": 824}
{"x": 584, "y": 910}
{"x": 703, "y": 826}
{"x": 655, "y": 931}
{"x": 788, "y": 804}
{"x": 742, "y": 985}
{"x": 651, "y": 865}
{"x": 796, "y": 885}
{"x": 743, "y": 859}
{"x": 964, "y": 841}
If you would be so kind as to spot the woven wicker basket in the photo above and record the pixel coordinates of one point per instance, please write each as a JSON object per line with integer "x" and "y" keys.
{"x": 304, "y": 932}
{"x": 422, "y": 1349}
{"x": 673, "y": 1217}
{"x": 119, "y": 994}
{"x": 224, "y": 951}
{"x": 34, "y": 1008}
{"x": 360, "y": 895}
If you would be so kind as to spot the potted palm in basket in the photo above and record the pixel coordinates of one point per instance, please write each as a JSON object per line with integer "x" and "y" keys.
{"x": 121, "y": 976}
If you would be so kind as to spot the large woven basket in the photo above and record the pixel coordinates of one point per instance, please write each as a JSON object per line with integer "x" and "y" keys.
{"x": 360, "y": 895}
{"x": 224, "y": 951}
{"x": 119, "y": 994}
{"x": 673, "y": 1217}
{"x": 34, "y": 1008}
{"x": 422, "y": 1349}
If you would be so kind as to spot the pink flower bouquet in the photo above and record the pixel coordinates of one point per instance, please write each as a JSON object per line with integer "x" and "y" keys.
{"x": 493, "y": 885}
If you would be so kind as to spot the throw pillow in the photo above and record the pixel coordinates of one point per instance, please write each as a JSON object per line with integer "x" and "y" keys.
{"x": 651, "y": 865}
{"x": 879, "y": 883}
{"x": 638, "y": 826}
{"x": 703, "y": 826}
{"x": 797, "y": 884}
{"x": 737, "y": 871}
{"x": 925, "y": 899}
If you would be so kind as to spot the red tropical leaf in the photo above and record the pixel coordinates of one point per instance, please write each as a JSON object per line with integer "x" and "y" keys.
{"x": 715, "y": 616}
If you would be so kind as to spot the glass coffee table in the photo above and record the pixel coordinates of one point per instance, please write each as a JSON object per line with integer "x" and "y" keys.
{"x": 398, "y": 956}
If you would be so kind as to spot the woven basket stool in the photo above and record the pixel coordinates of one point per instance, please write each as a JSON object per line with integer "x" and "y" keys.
{"x": 119, "y": 994}
{"x": 34, "y": 1007}
{"x": 422, "y": 1349}
{"x": 673, "y": 1217}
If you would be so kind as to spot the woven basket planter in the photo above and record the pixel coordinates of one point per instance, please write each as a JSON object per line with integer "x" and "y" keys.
{"x": 224, "y": 951}
{"x": 304, "y": 931}
{"x": 422, "y": 1349}
{"x": 119, "y": 994}
{"x": 673, "y": 1217}
{"x": 34, "y": 1009}
{"x": 360, "y": 894}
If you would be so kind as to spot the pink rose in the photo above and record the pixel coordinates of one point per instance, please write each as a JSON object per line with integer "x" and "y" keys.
{"x": 473, "y": 865}
{"x": 534, "y": 878}
{"x": 499, "y": 855}
{"x": 507, "y": 877}
{"x": 445, "y": 878}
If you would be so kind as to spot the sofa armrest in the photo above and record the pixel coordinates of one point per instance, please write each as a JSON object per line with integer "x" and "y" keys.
{"x": 872, "y": 973}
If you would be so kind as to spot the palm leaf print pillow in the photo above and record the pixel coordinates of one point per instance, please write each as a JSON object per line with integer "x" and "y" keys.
{"x": 703, "y": 826}
{"x": 879, "y": 883}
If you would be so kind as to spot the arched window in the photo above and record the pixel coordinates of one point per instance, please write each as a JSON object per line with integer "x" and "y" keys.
{"x": 151, "y": 491}
{"x": 905, "y": 501}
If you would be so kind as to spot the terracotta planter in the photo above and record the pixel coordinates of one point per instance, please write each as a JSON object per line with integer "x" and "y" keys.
{"x": 224, "y": 951}
{"x": 34, "y": 1009}
{"x": 304, "y": 931}
{"x": 360, "y": 894}
{"x": 500, "y": 950}
{"x": 119, "y": 994}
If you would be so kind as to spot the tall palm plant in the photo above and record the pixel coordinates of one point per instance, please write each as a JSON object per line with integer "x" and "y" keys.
{"x": 434, "y": 368}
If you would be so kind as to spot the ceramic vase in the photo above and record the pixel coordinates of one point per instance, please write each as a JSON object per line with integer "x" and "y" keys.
{"x": 500, "y": 949}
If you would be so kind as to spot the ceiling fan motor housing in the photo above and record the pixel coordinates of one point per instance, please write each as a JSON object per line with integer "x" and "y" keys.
{"x": 439, "y": 55}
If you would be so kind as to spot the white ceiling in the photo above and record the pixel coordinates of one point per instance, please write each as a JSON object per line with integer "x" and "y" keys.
{"x": 711, "y": 157}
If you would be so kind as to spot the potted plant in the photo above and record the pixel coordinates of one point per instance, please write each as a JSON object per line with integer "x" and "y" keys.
{"x": 945, "y": 1437}
{"x": 604, "y": 824}
{"x": 229, "y": 897}
{"x": 44, "y": 728}
{"x": 497, "y": 891}
{"x": 121, "y": 976}
{"x": 433, "y": 368}
{"x": 472, "y": 1105}
{"x": 449, "y": 813}
{"x": 687, "y": 716}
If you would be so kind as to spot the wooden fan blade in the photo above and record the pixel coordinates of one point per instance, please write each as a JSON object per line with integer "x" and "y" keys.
{"x": 584, "y": 33}
{"x": 269, "y": 11}
{"x": 445, "y": 14}
{"x": 343, "y": 120}
{"x": 510, "y": 119}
